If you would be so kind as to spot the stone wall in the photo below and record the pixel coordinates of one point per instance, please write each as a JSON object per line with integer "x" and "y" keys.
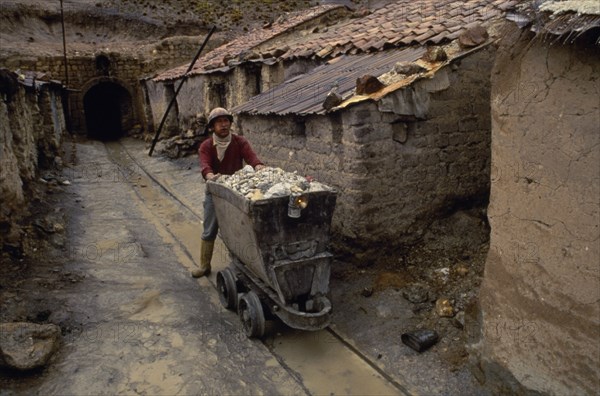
{"x": 539, "y": 314}
{"x": 398, "y": 162}
{"x": 85, "y": 72}
{"x": 201, "y": 93}
{"x": 31, "y": 130}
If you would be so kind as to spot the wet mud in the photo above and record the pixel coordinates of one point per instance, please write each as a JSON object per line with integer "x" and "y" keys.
{"x": 134, "y": 321}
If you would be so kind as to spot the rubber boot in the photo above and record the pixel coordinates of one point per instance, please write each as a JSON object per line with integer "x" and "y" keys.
{"x": 206, "y": 252}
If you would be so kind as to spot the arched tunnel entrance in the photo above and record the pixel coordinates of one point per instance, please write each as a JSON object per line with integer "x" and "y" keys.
{"x": 108, "y": 111}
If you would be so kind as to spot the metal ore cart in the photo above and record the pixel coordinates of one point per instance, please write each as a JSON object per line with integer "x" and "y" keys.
{"x": 280, "y": 262}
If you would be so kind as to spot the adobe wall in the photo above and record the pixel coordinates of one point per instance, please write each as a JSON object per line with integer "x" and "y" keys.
{"x": 201, "y": 93}
{"x": 397, "y": 162}
{"x": 539, "y": 311}
{"x": 159, "y": 96}
{"x": 32, "y": 126}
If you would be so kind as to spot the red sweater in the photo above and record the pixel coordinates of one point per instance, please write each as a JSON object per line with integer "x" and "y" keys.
{"x": 238, "y": 150}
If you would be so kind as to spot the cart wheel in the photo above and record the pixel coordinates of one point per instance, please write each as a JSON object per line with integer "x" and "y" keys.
{"x": 251, "y": 315}
{"x": 227, "y": 288}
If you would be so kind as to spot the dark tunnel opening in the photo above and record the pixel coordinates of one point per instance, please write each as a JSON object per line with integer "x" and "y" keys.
{"x": 106, "y": 106}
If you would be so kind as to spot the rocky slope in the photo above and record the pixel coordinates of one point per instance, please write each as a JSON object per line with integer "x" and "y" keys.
{"x": 33, "y": 27}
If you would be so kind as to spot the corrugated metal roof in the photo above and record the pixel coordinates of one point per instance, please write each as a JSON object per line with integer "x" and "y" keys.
{"x": 566, "y": 20}
{"x": 33, "y": 79}
{"x": 305, "y": 94}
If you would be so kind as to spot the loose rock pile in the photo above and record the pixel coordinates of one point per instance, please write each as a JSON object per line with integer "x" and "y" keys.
{"x": 269, "y": 182}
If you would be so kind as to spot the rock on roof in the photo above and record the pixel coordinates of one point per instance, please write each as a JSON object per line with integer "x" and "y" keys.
{"x": 403, "y": 23}
{"x": 390, "y": 70}
{"x": 399, "y": 24}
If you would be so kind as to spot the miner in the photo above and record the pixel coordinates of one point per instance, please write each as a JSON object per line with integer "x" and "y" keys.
{"x": 223, "y": 153}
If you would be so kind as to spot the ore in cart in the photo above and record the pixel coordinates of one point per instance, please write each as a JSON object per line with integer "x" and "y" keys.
{"x": 280, "y": 259}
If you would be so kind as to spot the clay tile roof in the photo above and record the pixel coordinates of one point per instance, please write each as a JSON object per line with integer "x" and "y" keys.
{"x": 214, "y": 58}
{"x": 407, "y": 22}
{"x": 398, "y": 24}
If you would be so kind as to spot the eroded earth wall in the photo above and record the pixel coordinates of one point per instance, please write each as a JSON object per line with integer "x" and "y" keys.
{"x": 540, "y": 297}
{"x": 31, "y": 130}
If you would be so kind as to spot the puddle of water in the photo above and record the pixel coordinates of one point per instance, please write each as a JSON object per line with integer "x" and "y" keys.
{"x": 151, "y": 308}
{"x": 158, "y": 207}
{"x": 176, "y": 340}
{"x": 327, "y": 366}
{"x": 155, "y": 378}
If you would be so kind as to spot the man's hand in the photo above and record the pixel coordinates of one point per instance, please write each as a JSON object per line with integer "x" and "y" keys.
{"x": 212, "y": 176}
{"x": 259, "y": 167}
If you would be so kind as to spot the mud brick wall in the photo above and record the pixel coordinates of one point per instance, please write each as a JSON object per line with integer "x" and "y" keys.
{"x": 159, "y": 96}
{"x": 540, "y": 317}
{"x": 398, "y": 162}
{"x": 199, "y": 94}
{"x": 31, "y": 130}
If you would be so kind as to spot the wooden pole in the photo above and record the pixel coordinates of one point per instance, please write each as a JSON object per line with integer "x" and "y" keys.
{"x": 62, "y": 22}
{"x": 162, "y": 122}
{"x": 65, "y": 93}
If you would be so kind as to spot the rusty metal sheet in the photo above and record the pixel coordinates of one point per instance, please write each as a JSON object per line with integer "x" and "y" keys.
{"x": 305, "y": 94}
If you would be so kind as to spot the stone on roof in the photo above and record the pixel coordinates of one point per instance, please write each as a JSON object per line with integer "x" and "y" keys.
{"x": 399, "y": 24}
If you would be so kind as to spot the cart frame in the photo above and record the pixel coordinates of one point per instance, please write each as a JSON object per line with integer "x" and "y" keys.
{"x": 280, "y": 264}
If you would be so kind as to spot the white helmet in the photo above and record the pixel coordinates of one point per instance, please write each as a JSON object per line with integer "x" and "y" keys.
{"x": 216, "y": 113}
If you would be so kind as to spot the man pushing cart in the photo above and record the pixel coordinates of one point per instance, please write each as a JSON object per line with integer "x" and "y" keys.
{"x": 276, "y": 227}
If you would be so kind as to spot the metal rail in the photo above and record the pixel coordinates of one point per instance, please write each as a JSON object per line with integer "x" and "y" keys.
{"x": 395, "y": 382}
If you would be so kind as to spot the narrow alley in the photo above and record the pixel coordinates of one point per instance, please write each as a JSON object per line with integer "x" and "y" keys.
{"x": 139, "y": 323}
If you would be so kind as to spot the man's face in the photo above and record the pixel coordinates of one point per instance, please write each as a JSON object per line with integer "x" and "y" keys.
{"x": 221, "y": 126}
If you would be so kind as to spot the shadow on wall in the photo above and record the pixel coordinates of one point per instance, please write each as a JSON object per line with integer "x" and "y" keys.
{"x": 107, "y": 105}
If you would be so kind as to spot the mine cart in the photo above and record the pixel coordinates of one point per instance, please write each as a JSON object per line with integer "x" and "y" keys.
{"x": 280, "y": 262}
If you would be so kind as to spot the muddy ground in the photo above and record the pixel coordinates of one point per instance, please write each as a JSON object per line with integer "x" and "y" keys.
{"x": 376, "y": 298}
{"x": 119, "y": 286}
